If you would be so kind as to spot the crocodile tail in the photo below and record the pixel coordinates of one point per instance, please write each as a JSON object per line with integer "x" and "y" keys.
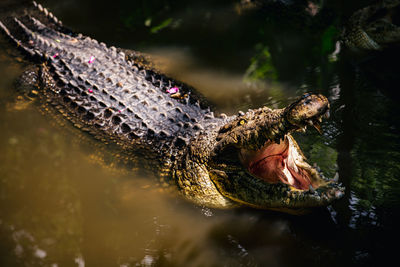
{"x": 24, "y": 25}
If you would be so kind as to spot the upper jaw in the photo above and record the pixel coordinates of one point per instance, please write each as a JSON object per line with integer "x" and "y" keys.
{"x": 313, "y": 122}
{"x": 308, "y": 110}
{"x": 252, "y": 129}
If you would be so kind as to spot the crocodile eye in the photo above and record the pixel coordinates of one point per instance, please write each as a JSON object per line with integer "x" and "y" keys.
{"x": 242, "y": 122}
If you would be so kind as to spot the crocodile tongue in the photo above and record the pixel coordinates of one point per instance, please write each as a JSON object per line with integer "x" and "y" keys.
{"x": 275, "y": 163}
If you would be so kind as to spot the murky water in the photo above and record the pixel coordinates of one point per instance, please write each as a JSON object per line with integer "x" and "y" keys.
{"x": 62, "y": 205}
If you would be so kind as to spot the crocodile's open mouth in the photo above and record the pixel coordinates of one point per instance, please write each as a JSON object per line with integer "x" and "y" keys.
{"x": 282, "y": 162}
{"x": 274, "y": 175}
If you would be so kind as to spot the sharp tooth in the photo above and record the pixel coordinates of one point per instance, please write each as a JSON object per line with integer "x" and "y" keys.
{"x": 320, "y": 119}
{"x": 311, "y": 189}
{"x": 336, "y": 177}
{"x": 318, "y": 127}
{"x": 303, "y": 129}
{"x": 327, "y": 114}
{"x": 310, "y": 122}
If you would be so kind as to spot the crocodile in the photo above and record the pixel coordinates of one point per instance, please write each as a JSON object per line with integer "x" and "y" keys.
{"x": 218, "y": 161}
{"x": 374, "y": 27}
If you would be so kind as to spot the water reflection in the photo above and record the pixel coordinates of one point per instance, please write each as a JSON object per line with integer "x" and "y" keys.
{"x": 60, "y": 206}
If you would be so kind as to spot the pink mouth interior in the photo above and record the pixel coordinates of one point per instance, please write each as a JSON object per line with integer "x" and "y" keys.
{"x": 275, "y": 163}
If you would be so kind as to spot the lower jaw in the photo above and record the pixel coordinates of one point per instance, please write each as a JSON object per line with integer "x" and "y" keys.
{"x": 246, "y": 190}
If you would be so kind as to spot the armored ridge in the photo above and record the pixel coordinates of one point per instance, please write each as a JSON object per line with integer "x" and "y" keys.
{"x": 101, "y": 90}
{"x": 250, "y": 159}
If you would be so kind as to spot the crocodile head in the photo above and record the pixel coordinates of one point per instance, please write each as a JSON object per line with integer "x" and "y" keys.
{"x": 256, "y": 161}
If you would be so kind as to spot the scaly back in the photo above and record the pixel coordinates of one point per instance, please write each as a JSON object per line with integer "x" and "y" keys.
{"x": 100, "y": 89}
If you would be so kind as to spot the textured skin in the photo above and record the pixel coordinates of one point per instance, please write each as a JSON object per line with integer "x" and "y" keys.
{"x": 113, "y": 98}
{"x": 119, "y": 100}
{"x": 374, "y": 27}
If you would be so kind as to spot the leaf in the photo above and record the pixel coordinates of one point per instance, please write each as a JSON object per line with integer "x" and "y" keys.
{"x": 161, "y": 26}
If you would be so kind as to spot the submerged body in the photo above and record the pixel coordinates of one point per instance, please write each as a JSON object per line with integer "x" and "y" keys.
{"x": 165, "y": 126}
